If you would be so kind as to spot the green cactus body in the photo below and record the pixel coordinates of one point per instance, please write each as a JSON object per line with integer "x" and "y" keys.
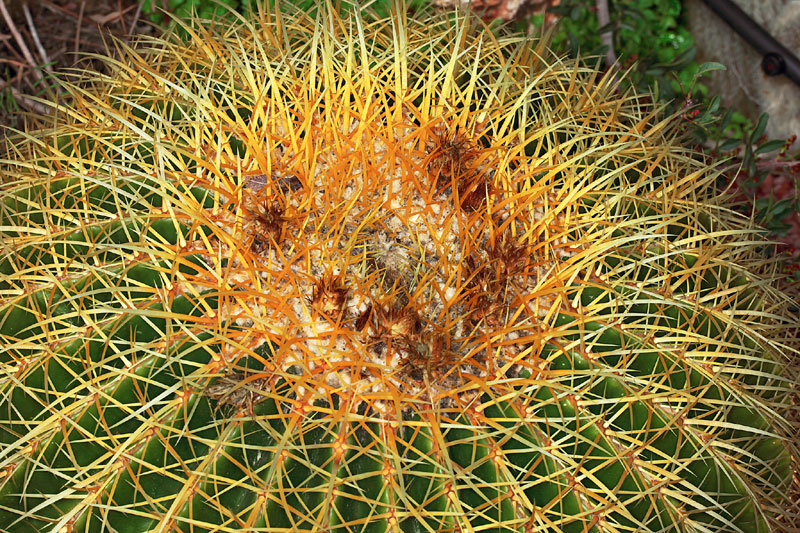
{"x": 340, "y": 275}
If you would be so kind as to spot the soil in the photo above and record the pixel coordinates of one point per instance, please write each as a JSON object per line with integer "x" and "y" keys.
{"x": 59, "y": 39}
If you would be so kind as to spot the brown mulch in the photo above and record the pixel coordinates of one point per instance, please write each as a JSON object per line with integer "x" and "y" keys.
{"x": 56, "y": 39}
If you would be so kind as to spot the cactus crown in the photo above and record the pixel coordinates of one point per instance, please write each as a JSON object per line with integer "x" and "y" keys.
{"x": 342, "y": 274}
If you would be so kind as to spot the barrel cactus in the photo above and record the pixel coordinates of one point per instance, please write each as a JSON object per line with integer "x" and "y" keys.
{"x": 341, "y": 274}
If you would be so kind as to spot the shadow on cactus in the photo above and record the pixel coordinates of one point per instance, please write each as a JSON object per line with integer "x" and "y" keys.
{"x": 344, "y": 276}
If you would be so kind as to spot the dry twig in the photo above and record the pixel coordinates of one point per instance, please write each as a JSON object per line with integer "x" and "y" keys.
{"x": 134, "y": 21}
{"x": 604, "y": 19}
{"x": 35, "y": 35}
{"x": 79, "y": 25}
{"x": 20, "y": 41}
{"x": 25, "y": 101}
{"x": 58, "y": 10}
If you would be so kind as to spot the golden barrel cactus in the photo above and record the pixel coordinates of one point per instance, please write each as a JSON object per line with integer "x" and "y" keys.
{"x": 336, "y": 274}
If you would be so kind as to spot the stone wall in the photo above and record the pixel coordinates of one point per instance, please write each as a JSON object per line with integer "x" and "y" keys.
{"x": 744, "y": 86}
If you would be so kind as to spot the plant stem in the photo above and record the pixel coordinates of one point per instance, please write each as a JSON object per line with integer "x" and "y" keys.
{"x": 35, "y": 35}
{"x": 603, "y": 19}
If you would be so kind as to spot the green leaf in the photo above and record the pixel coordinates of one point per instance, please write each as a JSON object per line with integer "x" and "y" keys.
{"x": 713, "y": 107}
{"x": 726, "y": 119}
{"x": 710, "y": 66}
{"x": 770, "y": 146}
{"x": 729, "y": 145}
{"x": 780, "y": 209}
{"x": 760, "y": 127}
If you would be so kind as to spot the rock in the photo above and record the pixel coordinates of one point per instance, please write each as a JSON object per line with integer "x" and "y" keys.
{"x": 744, "y": 86}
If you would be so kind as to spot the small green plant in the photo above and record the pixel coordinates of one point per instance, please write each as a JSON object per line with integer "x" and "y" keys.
{"x": 8, "y": 101}
{"x": 764, "y": 173}
{"x": 767, "y": 175}
{"x": 647, "y": 33}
